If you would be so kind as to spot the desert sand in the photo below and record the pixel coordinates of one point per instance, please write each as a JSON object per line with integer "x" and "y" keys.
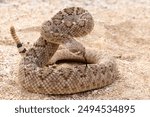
{"x": 122, "y": 27}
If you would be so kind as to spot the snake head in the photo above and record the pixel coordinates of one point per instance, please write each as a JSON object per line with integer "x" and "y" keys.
{"x": 76, "y": 48}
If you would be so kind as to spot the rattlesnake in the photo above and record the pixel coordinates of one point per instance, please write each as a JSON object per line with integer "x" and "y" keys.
{"x": 36, "y": 75}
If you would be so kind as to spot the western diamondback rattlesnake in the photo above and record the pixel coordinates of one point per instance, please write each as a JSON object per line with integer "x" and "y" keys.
{"x": 36, "y": 75}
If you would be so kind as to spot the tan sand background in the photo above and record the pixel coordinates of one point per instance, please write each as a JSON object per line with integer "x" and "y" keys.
{"x": 122, "y": 27}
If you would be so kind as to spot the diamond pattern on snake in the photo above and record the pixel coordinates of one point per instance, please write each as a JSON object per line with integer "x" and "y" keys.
{"x": 39, "y": 70}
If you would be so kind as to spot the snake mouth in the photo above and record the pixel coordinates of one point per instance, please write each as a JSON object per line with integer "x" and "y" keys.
{"x": 72, "y": 61}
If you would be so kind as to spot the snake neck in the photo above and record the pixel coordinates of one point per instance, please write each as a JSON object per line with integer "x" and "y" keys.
{"x": 41, "y": 52}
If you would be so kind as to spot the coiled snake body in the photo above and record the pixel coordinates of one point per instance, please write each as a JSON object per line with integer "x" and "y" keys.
{"x": 36, "y": 75}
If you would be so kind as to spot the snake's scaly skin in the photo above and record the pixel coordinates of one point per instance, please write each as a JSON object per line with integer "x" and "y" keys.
{"x": 37, "y": 76}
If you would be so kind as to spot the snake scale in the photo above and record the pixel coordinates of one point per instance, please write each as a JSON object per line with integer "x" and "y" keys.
{"x": 39, "y": 71}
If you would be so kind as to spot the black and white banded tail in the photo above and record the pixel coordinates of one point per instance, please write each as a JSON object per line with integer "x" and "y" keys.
{"x": 22, "y": 50}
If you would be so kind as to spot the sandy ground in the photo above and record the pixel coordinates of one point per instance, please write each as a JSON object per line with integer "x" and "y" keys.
{"x": 122, "y": 27}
